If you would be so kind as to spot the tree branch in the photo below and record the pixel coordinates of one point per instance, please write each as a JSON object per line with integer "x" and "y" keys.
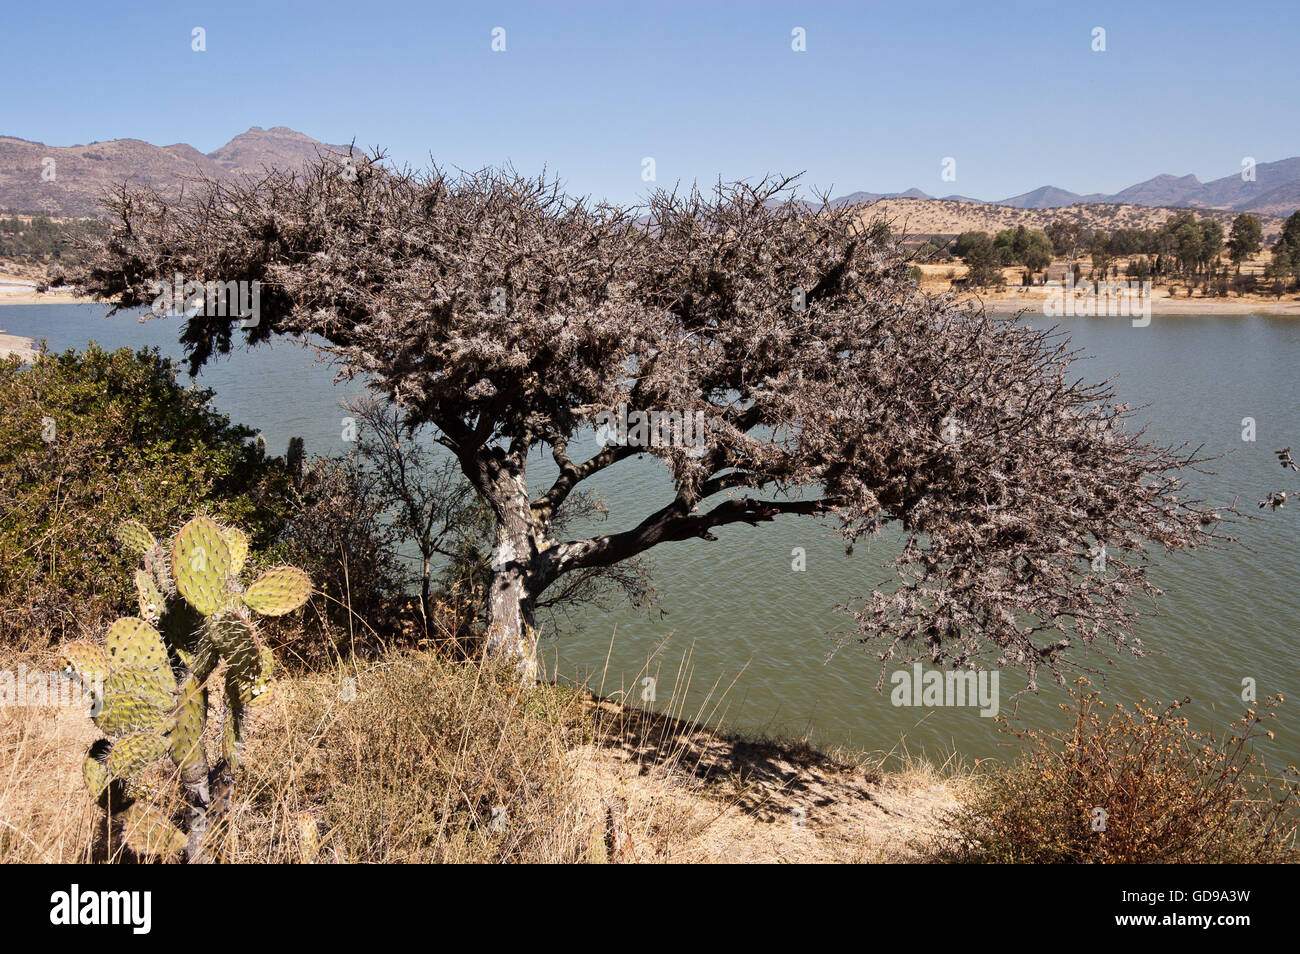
{"x": 671, "y": 523}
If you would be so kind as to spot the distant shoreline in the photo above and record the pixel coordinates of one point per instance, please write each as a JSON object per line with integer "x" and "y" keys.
{"x": 16, "y": 291}
{"x": 994, "y": 304}
{"x": 48, "y": 298}
{"x": 20, "y": 290}
{"x": 1161, "y": 305}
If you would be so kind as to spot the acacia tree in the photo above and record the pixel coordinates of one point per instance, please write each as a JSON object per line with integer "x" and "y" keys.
{"x": 506, "y": 316}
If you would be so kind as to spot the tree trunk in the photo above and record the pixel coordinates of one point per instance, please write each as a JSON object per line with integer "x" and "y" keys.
{"x": 512, "y": 632}
{"x": 426, "y": 581}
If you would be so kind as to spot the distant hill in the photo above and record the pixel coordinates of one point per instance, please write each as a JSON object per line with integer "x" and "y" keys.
{"x": 1049, "y": 197}
{"x": 919, "y": 217}
{"x": 1270, "y": 178}
{"x": 1160, "y": 190}
{"x": 259, "y": 149}
{"x": 1283, "y": 200}
{"x": 83, "y": 174}
{"x": 857, "y": 198}
{"x": 1275, "y": 190}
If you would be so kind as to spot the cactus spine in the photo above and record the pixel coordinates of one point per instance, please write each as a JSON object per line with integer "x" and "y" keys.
{"x": 150, "y": 678}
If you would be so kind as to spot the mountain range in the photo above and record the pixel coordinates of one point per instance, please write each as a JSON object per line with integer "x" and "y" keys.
{"x": 80, "y": 175}
{"x": 1275, "y": 190}
{"x": 73, "y": 184}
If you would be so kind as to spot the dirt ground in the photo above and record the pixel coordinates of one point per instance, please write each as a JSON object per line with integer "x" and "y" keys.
{"x": 720, "y": 798}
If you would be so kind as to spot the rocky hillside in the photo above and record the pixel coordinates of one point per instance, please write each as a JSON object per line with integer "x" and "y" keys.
{"x": 917, "y": 217}
{"x": 73, "y": 183}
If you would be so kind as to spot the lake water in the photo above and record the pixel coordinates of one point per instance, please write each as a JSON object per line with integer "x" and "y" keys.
{"x": 738, "y": 618}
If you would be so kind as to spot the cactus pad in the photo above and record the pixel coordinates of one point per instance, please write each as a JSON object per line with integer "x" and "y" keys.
{"x": 237, "y": 543}
{"x": 84, "y": 660}
{"x": 236, "y": 641}
{"x": 125, "y": 711}
{"x": 134, "y": 752}
{"x": 151, "y": 599}
{"x": 232, "y": 736}
{"x": 97, "y": 777}
{"x": 130, "y": 641}
{"x": 260, "y": 689}
{"x": 205, "y": 658}
{"x": 135, "y": 537}
{"x": 145, "y": 683}
{"x": 186, "y": 735}
{"x": 278, "y": 591}
{"x": 150, "y": 832}
{"x": 201, "y": 564}
{"x": 157, "y": 565}
{"x": 257, "y": 691}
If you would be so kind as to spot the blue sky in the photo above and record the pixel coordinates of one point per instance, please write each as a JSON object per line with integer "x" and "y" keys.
{"x": 1012, "y": 91}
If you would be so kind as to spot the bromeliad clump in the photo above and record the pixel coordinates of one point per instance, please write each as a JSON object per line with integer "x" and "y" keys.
{"x": 150, "y": 679}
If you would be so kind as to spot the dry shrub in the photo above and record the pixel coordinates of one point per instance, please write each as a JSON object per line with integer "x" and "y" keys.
{"x": 431, "y": 760}
{"x": 452, "y": 627}
{"x": 1169, "y": 793}
{"x": 338, "y": 533}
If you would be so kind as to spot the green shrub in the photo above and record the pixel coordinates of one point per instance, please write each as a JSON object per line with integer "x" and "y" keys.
{"x": 88, "y": 440}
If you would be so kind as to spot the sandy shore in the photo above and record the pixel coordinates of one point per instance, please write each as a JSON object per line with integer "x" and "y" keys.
{"x": 60, "y": 297}
{"x": 18, "y": 290}
{"x": 937, "y": 280}
{"x": 1034, "y": 300}
{"x": 16, "y": 345}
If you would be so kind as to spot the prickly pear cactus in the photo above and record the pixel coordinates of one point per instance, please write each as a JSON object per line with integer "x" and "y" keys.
{"x": 135, "y": 537}
{"x": 149, "y": 680}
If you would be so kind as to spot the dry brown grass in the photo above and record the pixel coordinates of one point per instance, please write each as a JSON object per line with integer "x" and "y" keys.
{"x": 409, "y": 761}
{"x": 45, "y": 813}
{"x": 415, "y": 759}
{"x": 740, "y": 798}
{"x": 413, "y": 767}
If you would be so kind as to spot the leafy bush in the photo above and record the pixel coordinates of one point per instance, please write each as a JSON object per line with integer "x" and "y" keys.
{"x": 1168, "y": 793}
{"x": 88, "y": 440}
